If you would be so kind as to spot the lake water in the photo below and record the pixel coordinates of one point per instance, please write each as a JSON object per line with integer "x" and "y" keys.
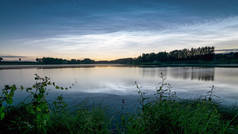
{"x": 111, "y": 83}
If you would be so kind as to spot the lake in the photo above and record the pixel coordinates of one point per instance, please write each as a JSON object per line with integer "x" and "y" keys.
{"x": 111, "y": 83}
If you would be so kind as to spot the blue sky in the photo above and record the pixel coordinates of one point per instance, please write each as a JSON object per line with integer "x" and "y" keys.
{"x": 110, "y": 29}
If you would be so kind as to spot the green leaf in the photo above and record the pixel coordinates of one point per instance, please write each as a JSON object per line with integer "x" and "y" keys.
{"x": 14, "y": 87}
{"x": 28, "y": 89}
{"x": 38, "y": 109}
{"x": 2, "y": 115}
{"x": 9, "y": 101}
{"x": 1, "y": 109}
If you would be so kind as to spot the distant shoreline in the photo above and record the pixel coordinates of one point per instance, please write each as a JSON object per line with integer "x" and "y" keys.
{"x": 41, "y": 66}
{"x": 48, "y": 66}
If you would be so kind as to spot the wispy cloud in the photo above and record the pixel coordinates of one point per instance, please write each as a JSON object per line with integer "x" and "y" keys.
{"x": 115, "y": 29}
{"x": 132, "y": 43}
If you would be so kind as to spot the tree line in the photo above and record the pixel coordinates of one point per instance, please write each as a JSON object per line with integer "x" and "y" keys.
{"x": 179, "y": 56}
{"x": 50, "y": 60}
{"x": 201, "y": 55}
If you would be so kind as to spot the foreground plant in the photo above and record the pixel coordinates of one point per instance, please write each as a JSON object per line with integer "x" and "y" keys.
{"x": 163, "y": 114}
{"x": 35, "y": 112}
{"x": 37, "y": 115}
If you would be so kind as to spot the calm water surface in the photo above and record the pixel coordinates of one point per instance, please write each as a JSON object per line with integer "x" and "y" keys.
{"x": 113, "y": 81}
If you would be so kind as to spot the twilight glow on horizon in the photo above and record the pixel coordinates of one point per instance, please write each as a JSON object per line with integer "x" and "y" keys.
{"x": 112, "y": 29}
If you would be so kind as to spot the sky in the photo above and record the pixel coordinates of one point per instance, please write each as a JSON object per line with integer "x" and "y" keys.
{"x": 111, "y": 29}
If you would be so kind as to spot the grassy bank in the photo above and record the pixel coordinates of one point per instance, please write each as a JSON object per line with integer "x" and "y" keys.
{"x": 161, "y": 115}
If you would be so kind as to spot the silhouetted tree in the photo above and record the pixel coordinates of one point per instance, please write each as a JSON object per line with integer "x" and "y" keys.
{"x": 1, "y": 59}
{"x": 74, "y": 61}
{"x": 193, "y": 55}
{"x": 49, "y": 60}
{"x": 87, "y": 61}
{"x": 39, "y": 60}
{"x": 122, "y": 61}
{"x": 179, "y": 56}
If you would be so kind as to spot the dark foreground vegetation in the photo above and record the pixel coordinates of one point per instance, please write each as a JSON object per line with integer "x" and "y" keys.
{"x": 194, "y": 56}
{"x": 163, "y": 114}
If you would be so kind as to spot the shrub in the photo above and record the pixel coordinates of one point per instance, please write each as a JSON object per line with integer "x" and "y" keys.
{"x": 161, "y": 115}
{"x": 37, "y": 115}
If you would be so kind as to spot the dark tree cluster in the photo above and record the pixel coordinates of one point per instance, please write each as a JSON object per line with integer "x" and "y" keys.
{"x": 227, "y": 58}
{"x": 1, "y": 59}
{"x": 118, "y": 61}
{"x": 201, "y": 55}
{"x": 87, "y": 61}
{"x": 49, "y": 60}
{"x": 123, "y": 61}
{"x": 179, "y": 56}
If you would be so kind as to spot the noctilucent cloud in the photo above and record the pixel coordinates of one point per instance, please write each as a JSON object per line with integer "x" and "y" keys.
{"x": 111, "y": 29}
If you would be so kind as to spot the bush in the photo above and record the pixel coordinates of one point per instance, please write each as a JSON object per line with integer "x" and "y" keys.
{"x": 172, "y": 117}
{"x": 162, "y": 115}
{"x": 38, "y": 116}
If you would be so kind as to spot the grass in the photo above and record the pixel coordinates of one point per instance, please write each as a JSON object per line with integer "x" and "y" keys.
{"x": 176, "y": 118}
{"x": 162, "y": 115}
